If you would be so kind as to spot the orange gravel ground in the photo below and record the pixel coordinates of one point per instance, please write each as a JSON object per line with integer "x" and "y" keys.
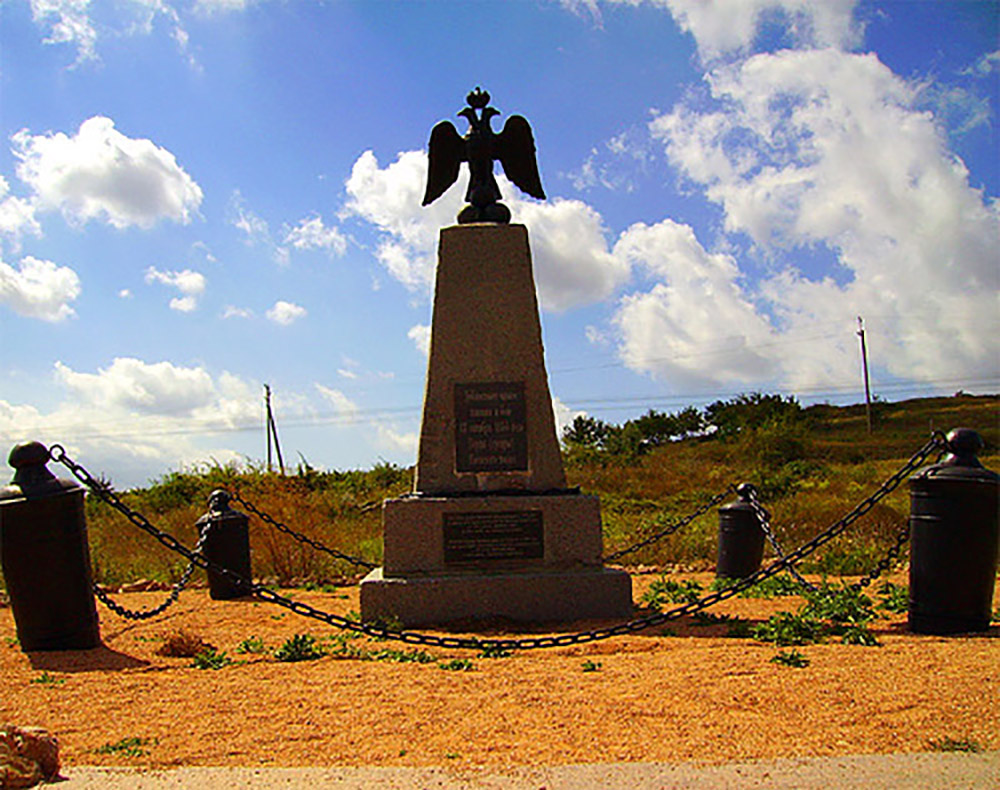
{"x": 692, "y": 696}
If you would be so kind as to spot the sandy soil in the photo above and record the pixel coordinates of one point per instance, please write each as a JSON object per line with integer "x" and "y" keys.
{"x": 691, "y": 696}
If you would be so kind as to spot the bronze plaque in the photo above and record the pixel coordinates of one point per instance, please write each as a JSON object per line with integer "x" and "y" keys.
{"x": 491, "y": 431}
{"x": 482, "y": 537}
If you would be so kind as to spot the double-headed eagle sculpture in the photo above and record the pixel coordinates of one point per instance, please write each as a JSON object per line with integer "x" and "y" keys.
{"x": 514, "y": 147}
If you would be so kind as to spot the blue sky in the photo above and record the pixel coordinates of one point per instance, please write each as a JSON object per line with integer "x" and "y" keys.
{"x": 203, "y": 196}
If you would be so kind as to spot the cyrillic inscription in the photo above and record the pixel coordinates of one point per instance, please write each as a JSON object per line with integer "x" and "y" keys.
{"x": 491, "y": 432}
{"x": 482, "y": 537}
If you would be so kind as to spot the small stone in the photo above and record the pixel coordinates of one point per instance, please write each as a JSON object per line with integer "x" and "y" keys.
{"x": 28, "y": 755}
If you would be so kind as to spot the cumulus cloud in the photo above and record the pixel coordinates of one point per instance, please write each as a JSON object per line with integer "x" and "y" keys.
{"x": 564, "y": 415}
{"x": 99, "y": 173}
{"x": 696, "y": 309}
{"x": 573, "y": 266}
{"x": 312, "y": 234}
{"x": 191, "y": 284}
{"x": 133, "y": 418}
{"x": 39, "y": 289}
{"x": 285, "y": 313}
{"x": 825, "y": 149}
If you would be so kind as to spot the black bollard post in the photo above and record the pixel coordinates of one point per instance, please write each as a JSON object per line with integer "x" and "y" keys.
{"x": 741, "y": 540}
{"x": 45, "y": 556}
{"x": 953, "y": 540}
{"x": 227, "y": 544}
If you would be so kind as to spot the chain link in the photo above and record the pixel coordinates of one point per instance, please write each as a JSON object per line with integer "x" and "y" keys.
{"x": 764, "y": 522}
{"x": 315, "y": 544}
{"x": 672, "y": 528}
{"x": 175, "y": 591}
{"x": 411, "y": 637}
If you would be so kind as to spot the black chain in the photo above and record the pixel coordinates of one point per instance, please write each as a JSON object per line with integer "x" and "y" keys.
{"x": 410, "y": 637}
{"x": 764, "y": 522}
{"x": 299, "y": 536}
{"x": 145, "y": 614}
{"x": 672, "y": 528}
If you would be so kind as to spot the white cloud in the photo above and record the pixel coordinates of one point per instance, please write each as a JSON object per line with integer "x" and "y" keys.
{"x": 345, "y": 408}
{"x": 131, "y": 384}
{"x": 345, "y": 373}
{"x": 394, "y": 440}
{"x": 39, "y": 289}
{"x": 101, "y": 174}
{"x": 244, "y": 219}
{"x": 191, "y": 284}
{"x": 571, "y": 260}
{"x": 420, "y": 334}
{"x": 231, "y": 311}
{"x": 133, "y": 419}
{"x": 722, "y": 27}
{"x": 124, "y": 293}
{"x": 17, "y": 216}
{"x": 285, "y": 313}
{"x": 68, "y": 23}
{"x": 695, "y": 326}
{"x": 312, "y": 234}
{"x": 825, "y": 150}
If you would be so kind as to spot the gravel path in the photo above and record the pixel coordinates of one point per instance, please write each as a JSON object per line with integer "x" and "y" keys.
{"x": 949, "y": 771}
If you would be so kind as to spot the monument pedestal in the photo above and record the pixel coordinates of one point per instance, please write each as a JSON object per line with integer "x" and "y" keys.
{"x": 491, "y": 529}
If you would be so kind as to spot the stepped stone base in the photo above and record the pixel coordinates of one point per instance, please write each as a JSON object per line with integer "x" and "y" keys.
{"x": 530, "y": 597}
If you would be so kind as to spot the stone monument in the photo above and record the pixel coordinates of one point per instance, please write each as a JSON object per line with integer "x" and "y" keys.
{"x": 490, "y": 529}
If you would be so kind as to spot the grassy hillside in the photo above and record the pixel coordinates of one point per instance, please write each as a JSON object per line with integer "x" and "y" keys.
{"x": 811, "y": 467}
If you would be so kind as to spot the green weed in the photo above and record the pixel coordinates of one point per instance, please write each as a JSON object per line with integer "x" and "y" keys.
{"x": 591, "y": 666}
{"x": 210, "y": 658}
{"x": 301, "y": 647}
{"x": 897, "y": 597}
{"x": 45, "y": 679}
{"x": 785, "y": 628}
{"x": 495, "y": 651}
{"x": 128, "y": 747}
{"x": 738, "y": 628}
{"x": 458, "y": 665}
{"x": 859, "y": 635}
{"x": 252, "y": 645}
{"x": 790, "y": 658}
{"x": 403, "y": 656}
{"x": 665, "y": 590}
{"x": 955, "y": 745}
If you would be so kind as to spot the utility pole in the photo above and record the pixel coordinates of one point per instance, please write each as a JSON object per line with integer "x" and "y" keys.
{"x": 864, "y": 366}
{"x": 271, "y": 428}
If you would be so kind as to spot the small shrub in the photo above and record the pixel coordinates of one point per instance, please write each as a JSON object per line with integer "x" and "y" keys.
{"x": 45, "y": 679}
{"x": 127, "y": 747}
{"x": 403, "y": 656}
{"x": 843, "y": 607}
{"x": 859, "y": 635}
{"x": 210, "y": 658}
{"x": 665, "y": 590}
{"x": 784, "y": 629}
{"x": 897, "y": 597}
{"x": 495, "y": 651}
{"x": 183, "y": 644}
{"x": 458, "y": 665}
{"x": 955, "y": 745}
{"x": 591, "y": 666}
{"x": 301, "y": 647}
{"x": 252, "y": 645}
{"x": 778, "y": 586}
{"x": 790, "y": 658}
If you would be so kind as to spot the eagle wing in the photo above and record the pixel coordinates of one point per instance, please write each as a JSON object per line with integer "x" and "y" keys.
{"x": 516, "y": 148}
{"x": 446, "y": 151}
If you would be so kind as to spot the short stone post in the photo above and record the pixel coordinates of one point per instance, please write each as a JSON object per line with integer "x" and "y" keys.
{"x": 45, "y": 556}
{"x": 227, "y": 544}
{"x": 953, "y": 540}
{"x": 741, "y": 539}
